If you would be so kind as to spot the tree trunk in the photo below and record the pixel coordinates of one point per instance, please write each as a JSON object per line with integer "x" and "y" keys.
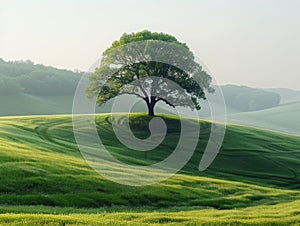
{"x": 151, "y": 109}
{"x": 150, "y": 104}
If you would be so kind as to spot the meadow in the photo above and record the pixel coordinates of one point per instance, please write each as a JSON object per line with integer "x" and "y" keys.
{"x": 255, "y": 179}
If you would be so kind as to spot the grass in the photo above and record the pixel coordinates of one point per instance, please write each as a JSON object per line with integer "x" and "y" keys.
{"x": 279, "y": 214}
{"x": 44, "y": 179}
{"x": 262, "y": 215}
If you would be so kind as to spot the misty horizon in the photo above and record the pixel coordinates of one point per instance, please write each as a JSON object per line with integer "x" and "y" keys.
{"x": 241, "y": 42}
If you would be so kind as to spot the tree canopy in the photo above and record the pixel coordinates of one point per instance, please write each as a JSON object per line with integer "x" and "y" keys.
{"x": 149, "y": 65}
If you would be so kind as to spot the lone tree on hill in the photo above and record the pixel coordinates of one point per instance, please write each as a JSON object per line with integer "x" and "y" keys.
{"x": 130, "y": 65}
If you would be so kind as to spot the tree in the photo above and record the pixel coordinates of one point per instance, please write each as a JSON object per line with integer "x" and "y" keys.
{"x": 143, "y": 64}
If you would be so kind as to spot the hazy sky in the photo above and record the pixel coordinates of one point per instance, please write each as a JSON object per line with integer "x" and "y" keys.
{"x": 252, "y": 42}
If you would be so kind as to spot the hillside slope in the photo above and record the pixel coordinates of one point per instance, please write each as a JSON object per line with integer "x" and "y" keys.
{"x": 284, "y": 118}
{"x": 44, "y": 180}
{"x": 40, "y": 154}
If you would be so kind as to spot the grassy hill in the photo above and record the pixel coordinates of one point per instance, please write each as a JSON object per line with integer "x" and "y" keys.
{"x": 284, "y": 118}
{"x": 44, "y": 179}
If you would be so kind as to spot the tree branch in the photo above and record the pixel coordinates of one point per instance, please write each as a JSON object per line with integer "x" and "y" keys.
{"x": 136, "y": 94}
{"x": 164, "y": 100}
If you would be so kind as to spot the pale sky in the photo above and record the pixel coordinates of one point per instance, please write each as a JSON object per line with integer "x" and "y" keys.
{"x": 249, "y": 42}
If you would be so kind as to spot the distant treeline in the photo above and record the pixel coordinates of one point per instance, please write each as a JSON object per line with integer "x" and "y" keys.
{"x": 244, "y": 98}
{"x": 25, "y": 77}
{"x": 36, "y": 79}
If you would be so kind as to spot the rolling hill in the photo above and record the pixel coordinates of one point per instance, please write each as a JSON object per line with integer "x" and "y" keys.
{"x": 284, "y": 118}
{"x": 44, "y": 179}
{"x": 34, "y": 89}
{"x": 287, "y": 95}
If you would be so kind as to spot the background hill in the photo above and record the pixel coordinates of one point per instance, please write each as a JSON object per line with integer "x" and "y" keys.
{"x": 243, "y": 98}
{"x": 284, "y": 118}
{"x": 29, "y": 89}
{"x": 287, "y": 95}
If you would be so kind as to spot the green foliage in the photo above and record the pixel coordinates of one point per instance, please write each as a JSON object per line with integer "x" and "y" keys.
{"x": 35, "y": 79}
{"x": 144, "y": 55}
{"x": 142, "y": 36}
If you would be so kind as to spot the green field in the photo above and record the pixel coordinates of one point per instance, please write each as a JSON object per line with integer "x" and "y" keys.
{"x": 255, "y": 179}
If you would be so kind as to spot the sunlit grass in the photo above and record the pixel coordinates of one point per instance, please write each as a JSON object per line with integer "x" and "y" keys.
{"x": 44, "y": 179}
